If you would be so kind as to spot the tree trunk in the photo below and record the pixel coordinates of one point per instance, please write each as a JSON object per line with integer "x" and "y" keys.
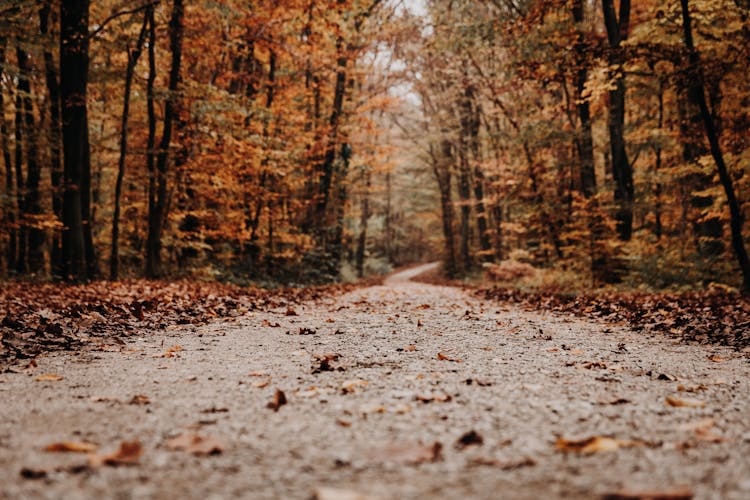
{"x": 133, "y": 55}
{"x": 9, "y": 213}
{"x": 158, "y": 210}
{"x": 32, "y": 196}
{"x": 622, "y": 171}
{"x": 735, "y": 212}
{"x": 584, "y": 140}
{"x": 442, "y": 169}
{"x": 56, "y": 167}
{"x": 363, "y": 220}
{"x": 74, "y": 62}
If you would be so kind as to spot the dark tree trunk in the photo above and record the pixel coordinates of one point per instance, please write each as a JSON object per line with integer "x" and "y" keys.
{"x": 133, "y": 55}
{"x": 442, "y": 169}
{"x": 473, "y": 124}
{"x": 56, "y": 166}
{"x": 618, "y": 27}
{"x": 736, "y": 220}
{"x": 9, "y": 212}
{"x": 584, "y": 141}
{"x": 32, "y": 196}
{"x": 157, "y": 216}
{"x": 363, "y": 220}
{"x": 20, "y": 264}
{"x": 74, "y": 62}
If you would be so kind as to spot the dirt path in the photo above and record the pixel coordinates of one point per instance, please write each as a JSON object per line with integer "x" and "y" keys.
{"x": 519, "y": 380}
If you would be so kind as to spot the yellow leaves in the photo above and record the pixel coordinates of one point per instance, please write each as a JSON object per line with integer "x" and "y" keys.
{"x": 49, "y": 377}
{"x": 594, "y": 444}
{"x": 445, "y": 357}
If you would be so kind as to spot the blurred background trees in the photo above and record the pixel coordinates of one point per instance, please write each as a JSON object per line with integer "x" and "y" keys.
{"x": 309, "y": 140}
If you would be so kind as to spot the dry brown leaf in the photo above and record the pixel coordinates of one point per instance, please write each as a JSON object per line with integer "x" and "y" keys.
{"x": 172, "y": 352}
{"x": 503, "y": 464}
{"x": 684, "y": 402}
{"x": 411, "y": 348}
{"x": 353, "y": 385}
{"x": 590, "y": 365}
{"x": 139, "y": 399}
{"x": 196, "y": 444}
{"x": 715, "y": 358}
{"x": 343, "y": 423}
{"x": 29, "y": 473}
{"x": 677, "y": 494}
{"x": 258, "y": 374}
{"x": 429, "y": 398}
{"x": 128, "y": 454}
{"x": 71, "y": 447}
{"x": 262, "y": 383}
{"x": 469, "y": 438}
{"x": 279, "y": 400}
{"x": 594, "y": 444}
{"x": 703, "y": 430}
{"x": 409, "y": 453}
{"x": 291, "y": 312}
{"x": 445, "y": 357}
{"x": 692, "y": 388}
{"x": 270, "y": 324}
{"x": 49, "y": 377}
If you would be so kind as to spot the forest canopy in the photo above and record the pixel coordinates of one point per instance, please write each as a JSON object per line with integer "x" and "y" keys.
{"x": 587, "y": 142}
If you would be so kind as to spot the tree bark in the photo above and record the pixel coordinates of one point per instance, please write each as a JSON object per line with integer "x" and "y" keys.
{"x": 442, "y": 169}
{"x": 363, "y": 220}
{"x": 735, "y": 213}
{"x": 584, "y": 140}
{"x": 74, "y": 62}
{"x": 133, "y": 55}
{"x": 9, "y": 213}
{"x": 56, "y": 166}
{"x": 618, "y": 27}
{"x": 157, "y": 217}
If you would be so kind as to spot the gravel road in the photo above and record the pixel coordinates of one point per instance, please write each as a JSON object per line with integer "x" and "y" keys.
{"x": 398, "y": 391}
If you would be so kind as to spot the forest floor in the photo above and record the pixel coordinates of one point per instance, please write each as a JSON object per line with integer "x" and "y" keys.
{"x": 402, "y": 390}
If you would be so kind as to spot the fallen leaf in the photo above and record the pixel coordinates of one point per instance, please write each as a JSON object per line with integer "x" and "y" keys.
{"x": 343, "y": 423}
{"x": 49, "y": 377}
{"x": 677, "y": 494}
{"x": 429, "y": 398}
{"x": 666, "y": 376}
{"x": 715, "y": 358}
{"x": 128, "y": 454}
{"x": 215, "y": 409}
{"x": 28, "y": 473}
{"x": 310, "y": 392}
{"x": 325, "y": 362}
{"x": 262, "y": 383}
{"x": 351, "y": 386}
{"x": 692, "y": 388}
{"x": 257, "y": 374}
{"x": 684, "y": 402}
{"x": 613, "y": 401}
{"x": 196, "y": 444}
{"x": 590, "y": 365}
{"x": 172, "y": 352}
{"x": 469, "y": 438}
{"x": 411, "y": 348}
{"x": 594, "y": 444}
{"x": 444, "y": 357}
{"x": 139, "y": 399}
{"x": 279, "y": 400}
{"x": 71, "y": 447}
{"x": 291, "y": 312}
{"x": 503, "y": 464}
{"x": 703, "y": 430}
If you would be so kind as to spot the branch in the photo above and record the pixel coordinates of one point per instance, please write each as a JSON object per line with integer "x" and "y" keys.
{"x": 120, "y": 14}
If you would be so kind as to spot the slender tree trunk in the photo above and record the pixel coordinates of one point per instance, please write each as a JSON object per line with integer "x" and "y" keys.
{"x": 622, "y": 171}
{"x": 55, "y": 153}
{"x": 74, "y": 62}
{"x": 157, "y": 216}
{"x": 133, "y": 55}
{"x": 20, "y": 264}
{"x": 363, "y": 220}
{"x": 584, "y": 141}
{"x": 442, "y": 169}
{"x": 32, "y": 196}
{"x": 735, "y": 213}
{"x": 9, "y": 212}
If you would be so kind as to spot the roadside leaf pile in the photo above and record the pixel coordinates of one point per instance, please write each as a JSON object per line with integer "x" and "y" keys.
{"x": 705, "y": 317}
{"x": 37, "y": 318}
